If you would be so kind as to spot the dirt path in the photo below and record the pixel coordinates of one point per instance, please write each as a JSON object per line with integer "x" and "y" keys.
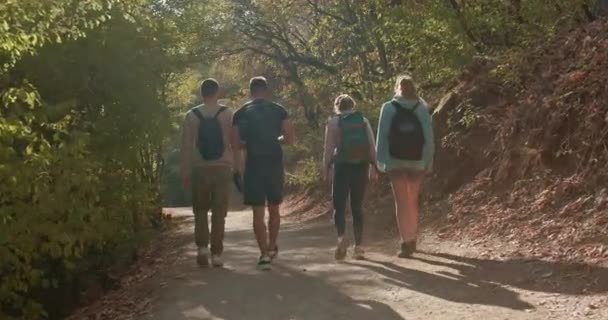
{"x": 306, "y": 283}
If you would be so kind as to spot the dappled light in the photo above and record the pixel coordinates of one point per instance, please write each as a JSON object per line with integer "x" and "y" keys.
{"x": 379, "y": 159}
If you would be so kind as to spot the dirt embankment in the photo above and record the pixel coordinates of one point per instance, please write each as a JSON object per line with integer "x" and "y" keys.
{"x": 524, "y": 149}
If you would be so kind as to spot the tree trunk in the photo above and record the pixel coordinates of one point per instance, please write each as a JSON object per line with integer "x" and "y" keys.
{"x": 310, "y": 112}
{"x": 464, "y": 24}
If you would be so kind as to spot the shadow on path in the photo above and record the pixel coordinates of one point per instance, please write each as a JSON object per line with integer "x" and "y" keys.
{"x": 240, "y": 292}
{"x": 445, "y": 287}
{"x": 306, "y": 284}
{"x": 281, "y": 294}
{"x": 527, "y": 274}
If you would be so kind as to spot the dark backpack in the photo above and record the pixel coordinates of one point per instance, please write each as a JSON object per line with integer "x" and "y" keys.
{"x": 406, "y": 138}
{"x": 210, "y": 142}
{"x": 354, "y": 142}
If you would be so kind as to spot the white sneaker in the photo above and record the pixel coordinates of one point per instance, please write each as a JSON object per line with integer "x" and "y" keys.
{"x": 341, "y": 249}
{"x": 265, "y": 263}
{"x": 359, "y": 253}
{"x": 216, "y": 261}
{"x": 202, "y": 257}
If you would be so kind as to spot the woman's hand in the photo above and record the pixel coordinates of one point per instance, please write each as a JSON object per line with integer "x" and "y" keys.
{"x": 428, "y": 171}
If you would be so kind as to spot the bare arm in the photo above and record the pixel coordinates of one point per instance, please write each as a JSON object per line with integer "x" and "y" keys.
{"x": 328, "y": 146}
{"x": 187, "y": 146}
{"x": 237, "y": 148}
{"x": 372, "y": 143}
{"x": 288, "y": 131}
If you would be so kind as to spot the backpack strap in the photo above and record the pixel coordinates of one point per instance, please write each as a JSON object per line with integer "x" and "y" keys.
{"x": 340, "y": 119}
{"x": 198, "y": 114}
{"x": 396, "y": 104}
{"x": 217, "y": 114}
{"x": 399, "y": 106}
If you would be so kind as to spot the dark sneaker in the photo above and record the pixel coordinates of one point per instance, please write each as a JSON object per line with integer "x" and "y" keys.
{"x": 407, "y": 249}
{"x": 273, "y": 253}
{"x": 341, "y": 250}
{"x": 202, "y": 258}
{"x": 265, "y": 263}
{"x": 413, "y": 246}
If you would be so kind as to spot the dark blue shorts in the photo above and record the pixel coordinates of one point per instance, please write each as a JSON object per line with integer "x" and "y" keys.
{"x": 263, "y": 181}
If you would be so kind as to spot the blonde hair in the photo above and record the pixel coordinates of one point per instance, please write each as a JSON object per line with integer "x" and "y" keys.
{"x": 406, "y": 87}
{"x": 344, "y": 103}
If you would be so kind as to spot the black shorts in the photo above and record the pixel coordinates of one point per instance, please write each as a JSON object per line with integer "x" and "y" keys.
{"x": 263, "y": 181}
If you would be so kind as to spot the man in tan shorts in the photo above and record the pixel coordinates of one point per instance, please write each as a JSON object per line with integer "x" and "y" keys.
{"x": 207, "y": 168}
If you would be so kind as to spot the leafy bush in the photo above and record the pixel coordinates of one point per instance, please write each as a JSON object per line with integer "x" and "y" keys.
{"x": 82, "y": 121}
{"x": 305, "y": 173}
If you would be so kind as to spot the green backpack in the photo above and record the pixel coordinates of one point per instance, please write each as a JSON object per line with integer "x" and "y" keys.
{"x": 354, "y": 142}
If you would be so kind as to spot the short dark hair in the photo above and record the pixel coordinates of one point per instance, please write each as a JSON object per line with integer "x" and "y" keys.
{"x": 209, "y": 88}
{"x": 257, "y": 84}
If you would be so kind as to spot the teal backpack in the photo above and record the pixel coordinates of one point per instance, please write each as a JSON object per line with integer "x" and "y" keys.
{"x": 354, "y": 142}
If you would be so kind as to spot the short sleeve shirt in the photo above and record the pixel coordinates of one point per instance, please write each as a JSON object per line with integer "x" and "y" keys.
{"x": 260, "y": 124}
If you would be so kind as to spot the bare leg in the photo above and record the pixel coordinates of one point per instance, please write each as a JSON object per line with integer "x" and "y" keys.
{"x": 400, "y": 193}
{"x": 259, "y": 228}
{"x": 274, "y": 224}
{"x": 413, "y": 210}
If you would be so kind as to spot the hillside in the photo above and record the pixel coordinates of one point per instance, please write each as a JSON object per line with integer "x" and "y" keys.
{"x": 524, "y": 149}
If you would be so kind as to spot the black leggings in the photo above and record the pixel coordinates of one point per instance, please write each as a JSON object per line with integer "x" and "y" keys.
{"x": 349, "y": 179}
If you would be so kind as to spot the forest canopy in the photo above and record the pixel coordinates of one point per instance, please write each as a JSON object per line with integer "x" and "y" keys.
{"x": 92, "y": 93}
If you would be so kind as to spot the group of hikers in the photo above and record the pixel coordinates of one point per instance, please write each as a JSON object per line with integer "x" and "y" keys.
{"x": 215, "y": 139}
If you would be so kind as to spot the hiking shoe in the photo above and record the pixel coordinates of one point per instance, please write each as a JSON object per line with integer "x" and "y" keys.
{"x": 264, "y": 263}
{"x": 216, "y": 261}
{"x": 341, "y": 250}
{"x": 202, "y": 258}
{"x": 274, "y": 252}
{"x": 413, "y": 246}
{"x": 359, "y": 253}
{"x": 407, "y": 249}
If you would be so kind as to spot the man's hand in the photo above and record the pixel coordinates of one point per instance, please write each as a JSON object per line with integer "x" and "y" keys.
{"x": 238, "y": 180}
{"x": 373, "y": 174}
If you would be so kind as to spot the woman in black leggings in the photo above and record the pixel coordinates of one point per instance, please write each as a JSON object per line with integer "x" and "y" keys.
{"x": 349, "y": 151}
